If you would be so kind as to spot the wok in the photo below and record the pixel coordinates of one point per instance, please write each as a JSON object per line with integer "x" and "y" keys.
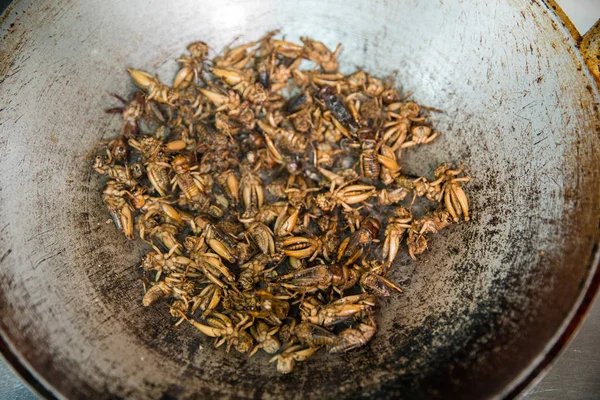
{"x": 485, "y": 309}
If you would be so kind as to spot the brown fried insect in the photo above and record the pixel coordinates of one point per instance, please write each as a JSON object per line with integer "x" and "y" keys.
{"x": 314, "y": 335}
{"x": 286, "y": 361}
{"x": 259, "y": 304}
{"x": 253, "y": 271}
{"x": 431, "y": 223}
{"x": 117, "y": 150}
{"x": 353, "y": 247}
{"x": 378, "y": 285}
{"x": 355, "y": 337}
{"x": 127, "y": 175}
{"x": 369, "y": 164}
{"x": 190, "y": 183}
{"x": 343, "y": 310}
{"x": 337, "y": 107}
{"x": 155, "y": 89}
{"x": 320, "y": 277}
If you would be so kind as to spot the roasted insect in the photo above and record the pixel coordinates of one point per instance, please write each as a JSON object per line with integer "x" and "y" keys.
{"x": 353, "y": 246}
{"x": 394, "y": 232}
{"x": 273, "y": 199}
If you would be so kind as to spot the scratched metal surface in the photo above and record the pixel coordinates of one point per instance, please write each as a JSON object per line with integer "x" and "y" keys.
{"x": 480, "y": 307}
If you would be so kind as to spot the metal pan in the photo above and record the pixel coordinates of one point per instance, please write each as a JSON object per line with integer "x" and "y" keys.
{"x": 486, "y": 308}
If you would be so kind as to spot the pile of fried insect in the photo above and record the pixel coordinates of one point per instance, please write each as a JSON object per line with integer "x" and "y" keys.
{"x": 256, "y": 183}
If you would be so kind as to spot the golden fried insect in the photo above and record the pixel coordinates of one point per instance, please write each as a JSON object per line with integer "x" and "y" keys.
{"x": 400, "y": 117}
{"x": 267, "y": 213}
{"x": 344, "y": 196}
{"x": 262, "y": 237}
{"x": 391, "y": 196}
{"x": 119, "y": 208}
{"x": 224, "y": 330}
{"x": 287, "y": 49}
{"x": 285, "y": 223}
{"x": 208, "y": 299}
{"x": 455, "y": 199}
{"x": 374, "y": 86}
{"x": 252, "y": 272}
{"x": 224, "y": 100}
{"x": 191, "y": 65}
{"x": 229, "y": 181}
{"x": 394, "y": 232}
{"x": 235, "y": 56}
{"x": 161, "y": 207}
{"x": 252, "y": 192}
{"x": 164, "y": 234}
{"x": 390, "y": 169}
{"x": 286, "y": 360}
{"x": 421, "y": 134}
{"x": 156, "y": 293}
{"x": 320, "y": 54}
{"x": 221, "y": 243}
{"x": 167, "y": 263}
{"x": 301, "y": 247}
{"x": 157, "y": 171}
{"x": 264, "y": 335}
{"x": 175, "y": 286}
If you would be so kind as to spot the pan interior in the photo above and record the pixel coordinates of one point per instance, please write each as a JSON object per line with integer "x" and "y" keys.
{"x": 479, "y": 306}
